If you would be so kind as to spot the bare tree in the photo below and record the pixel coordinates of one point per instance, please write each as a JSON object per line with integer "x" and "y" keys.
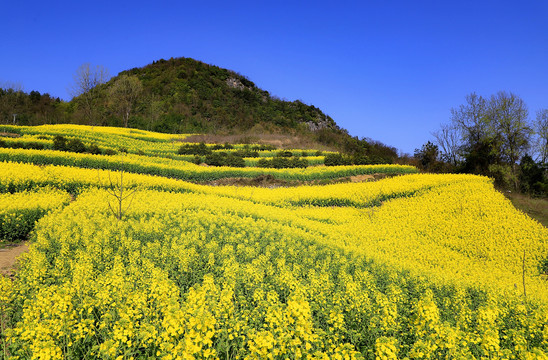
{"x": 471, "y": 119}
{"x": 86, "y": 79}
{"x": 125, "y": 93}
{"x": 448, "y": 139}
{"x": 121, "y": 193}
{"x": 541, "y": 129}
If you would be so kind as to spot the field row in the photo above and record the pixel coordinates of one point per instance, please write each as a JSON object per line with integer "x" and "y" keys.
{"x": 188, "y": 171}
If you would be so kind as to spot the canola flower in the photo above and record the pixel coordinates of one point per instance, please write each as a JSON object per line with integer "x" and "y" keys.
{"x": 416, "y": 266}
{"x": 25, "y": 141}
{"x": 19, "y": 211}
{"x": 110, "y": 137}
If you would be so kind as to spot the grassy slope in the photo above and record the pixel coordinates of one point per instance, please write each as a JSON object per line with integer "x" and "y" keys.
{"x": 537, "y": 208}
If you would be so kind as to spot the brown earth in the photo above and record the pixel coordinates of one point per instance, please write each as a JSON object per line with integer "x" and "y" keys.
{"x": 280, "y": 141}
{"x": 270, "y": 181}
{"x": 9, "y": 255}
{"x": 7, "y": 134}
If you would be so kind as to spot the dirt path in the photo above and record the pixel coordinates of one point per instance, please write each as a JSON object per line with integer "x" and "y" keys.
{"x": 9, "y": 255}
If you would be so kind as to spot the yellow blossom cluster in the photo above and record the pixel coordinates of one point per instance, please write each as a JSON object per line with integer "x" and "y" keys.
{"x": 114, "y": 138}
{"x": 19, "y": 211}
{"x": 25, "y": 141}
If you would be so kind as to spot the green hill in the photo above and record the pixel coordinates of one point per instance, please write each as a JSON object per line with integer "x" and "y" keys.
{"x": 190, "y": 96}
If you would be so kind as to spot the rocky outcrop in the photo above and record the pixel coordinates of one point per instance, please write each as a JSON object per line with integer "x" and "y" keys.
{"x": 319, "y": 124}
{"x": 235, "y": 83}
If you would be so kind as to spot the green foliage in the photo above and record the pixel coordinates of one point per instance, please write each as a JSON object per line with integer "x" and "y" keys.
{"x": 214, "y": 159}
{"x": 247, "y": 152}
{"x": 16, "y": 226}
{"x": 75, "y": 145}
{"x": 428, "y": 156}
{"x": 225, "y": 146}
{"x": 224, "y": 159}
{"x": 533, "y": 178}
{"x": 234, "y": 160}
{"x": 284, "y": 153}
{"x": 282, "y": 162}
{"x": 59, "y": 143}
{"x": 94, "y": 149}
{"x": 21, "y": 145}
{"x": 31, "y": 108}
{"x": 197, "y": 160}
{"x": 503, "y": 175}
{"x": 334, "y": 160}
{"x": 194, "y": 149}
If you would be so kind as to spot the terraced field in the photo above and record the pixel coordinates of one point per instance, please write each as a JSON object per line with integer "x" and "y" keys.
{"x": 140, "y": 264}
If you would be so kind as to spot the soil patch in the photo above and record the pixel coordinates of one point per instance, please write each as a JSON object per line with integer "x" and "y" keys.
{"x": 7, "y": 134}
{"x": 9, "y": 255}
{"x": 280, "y": 141}
{"x": 269, "y": 181}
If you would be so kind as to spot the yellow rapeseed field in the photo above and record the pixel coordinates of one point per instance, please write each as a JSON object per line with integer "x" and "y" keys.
{"x": 416, "y": 266}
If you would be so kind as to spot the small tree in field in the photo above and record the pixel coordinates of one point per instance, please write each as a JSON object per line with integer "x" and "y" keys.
{"x": 122, "y": 194}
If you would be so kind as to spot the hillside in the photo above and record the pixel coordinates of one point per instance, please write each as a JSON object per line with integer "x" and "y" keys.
{"x": 183, "y": 95}
{"x": 192, "y": 96}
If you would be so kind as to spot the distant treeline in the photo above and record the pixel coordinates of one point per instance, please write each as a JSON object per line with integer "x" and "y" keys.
{"x": 493, "y": 136}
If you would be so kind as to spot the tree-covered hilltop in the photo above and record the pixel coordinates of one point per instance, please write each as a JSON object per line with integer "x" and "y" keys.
{"x": 188, "y": 95}
{"x": 184, "y": 95}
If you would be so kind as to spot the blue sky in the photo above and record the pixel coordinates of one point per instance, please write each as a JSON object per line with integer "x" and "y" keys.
{"x": 387, "y": 70}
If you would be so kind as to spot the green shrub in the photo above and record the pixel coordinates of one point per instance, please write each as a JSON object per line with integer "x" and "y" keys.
{"x": 282, "y": 163}
{"x": 233, "y": 160}
{"x": 192, "y": 149}
{"x": 75, "y": 145}
{"x": 297, "y": 162}
{"x": 94, "y": 149}
{"x": 214, "y": 159}
{"x": 59, "y": 143}
{"x": 247, "y": 153}
{"x": 334, "y": 160}
{"x": 263, "y": 163}
{"x": 284, "y": 153}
